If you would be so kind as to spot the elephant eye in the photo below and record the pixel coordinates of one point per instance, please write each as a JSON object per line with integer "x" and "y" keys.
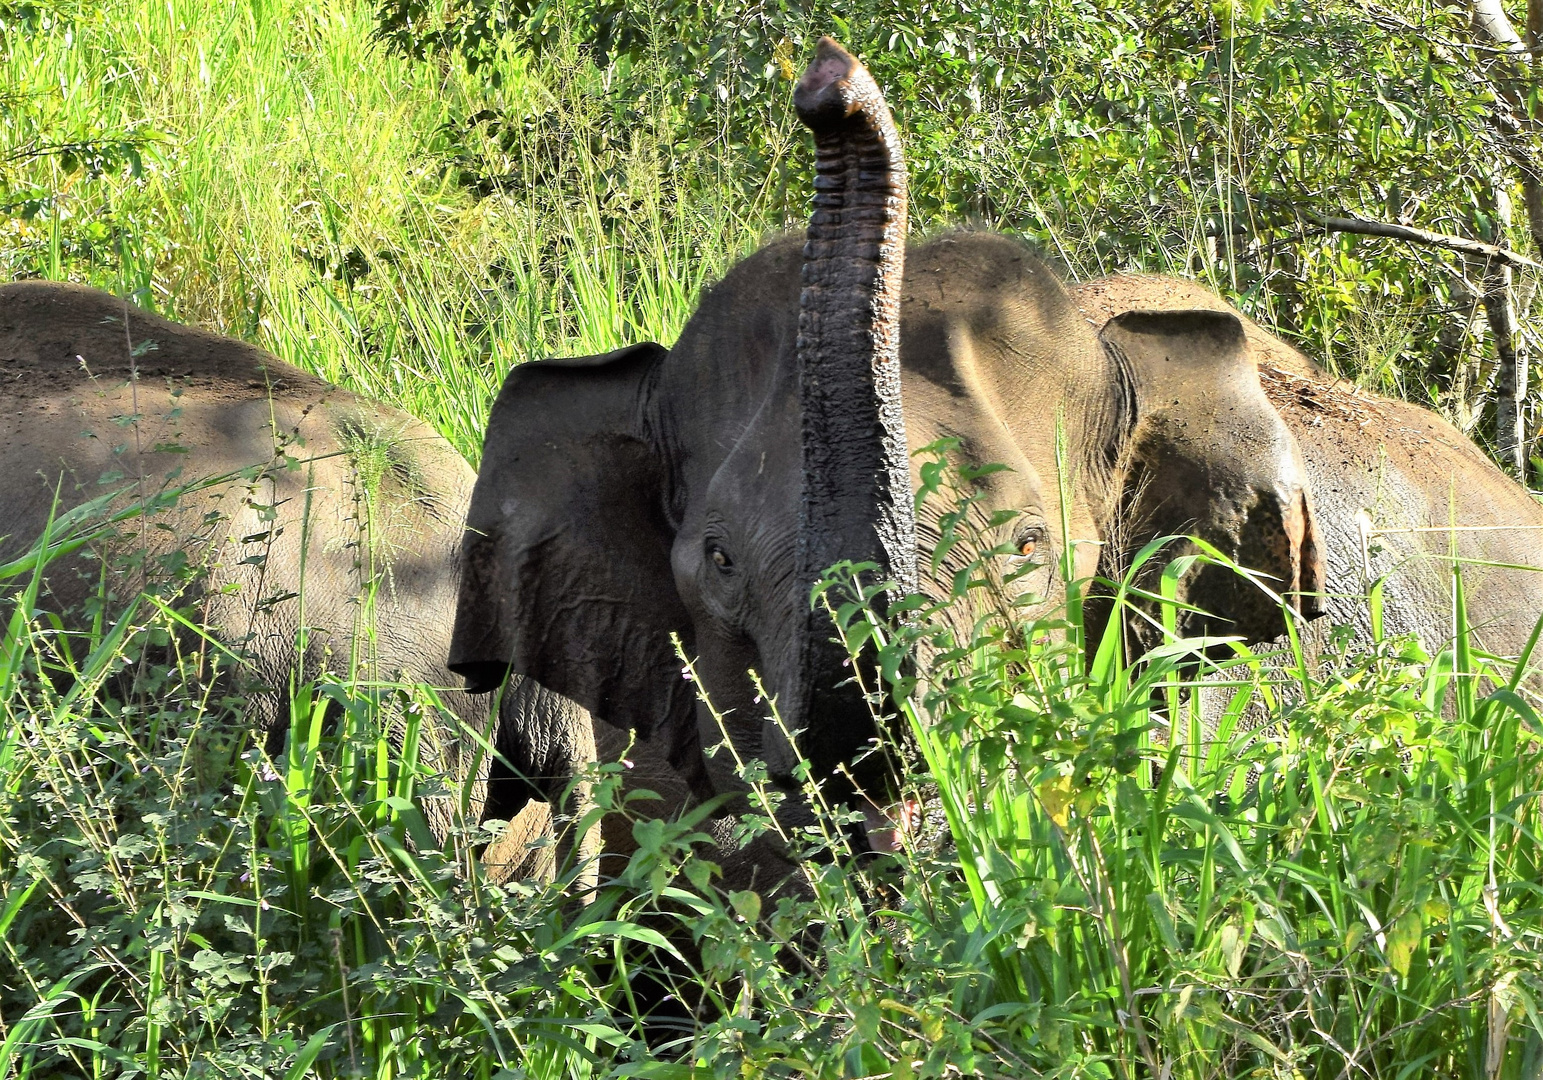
{"x": 720, "y": 558}
{"x": 1029, "y": 544}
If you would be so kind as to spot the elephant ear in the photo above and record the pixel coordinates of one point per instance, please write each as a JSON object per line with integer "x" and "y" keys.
{"x": 1208, "y": 456}
{"x": 565, "y": 573}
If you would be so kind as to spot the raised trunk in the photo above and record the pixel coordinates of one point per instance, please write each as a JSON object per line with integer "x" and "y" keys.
{"x": 857, "y": 501}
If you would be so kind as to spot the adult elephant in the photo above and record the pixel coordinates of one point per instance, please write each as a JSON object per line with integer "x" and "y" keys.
{"x": 1399, "y": 492}
{"x": 701, "y": 490}
{"x": 347, "y": 514}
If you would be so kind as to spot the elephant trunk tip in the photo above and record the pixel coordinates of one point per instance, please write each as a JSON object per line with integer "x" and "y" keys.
{"x": 825, "y": 95}
{"x": 890, "y": 828}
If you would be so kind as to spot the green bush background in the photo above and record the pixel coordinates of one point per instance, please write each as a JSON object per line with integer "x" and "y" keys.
{"x": 416, "y": 192}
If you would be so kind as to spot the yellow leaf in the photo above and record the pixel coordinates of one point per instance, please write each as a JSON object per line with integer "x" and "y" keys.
{"x": 1057, "y": 796}
{"x": 932, "y": 1026}
{"x": 1402, "y": 940}
{"x": 782, "y": 53}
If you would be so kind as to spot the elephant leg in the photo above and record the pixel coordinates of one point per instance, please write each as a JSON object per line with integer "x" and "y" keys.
{"x": 532, "y": 847}
{"x": 536, "y": 782}
{"x": 647, "y": 769}
{"x": 539, "y": 726}
{"x": 579, "y": 845}
{"x": 763, "y": 864}
{"x": 571, "y": 796}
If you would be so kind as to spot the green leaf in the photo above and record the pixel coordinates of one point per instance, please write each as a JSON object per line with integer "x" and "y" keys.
{"x": 310, "y": 1052}
{"x": 1164, "y": 922}
{"x": 747, "y": 904}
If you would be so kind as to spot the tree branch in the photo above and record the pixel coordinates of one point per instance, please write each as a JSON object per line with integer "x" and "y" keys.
{"x": 1477, "y": 248}
{"x": 1507, "y": 113}
{"x": 1491, "y": 20}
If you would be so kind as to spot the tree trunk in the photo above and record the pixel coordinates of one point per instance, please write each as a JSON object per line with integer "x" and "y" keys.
{"x": 1490, "y": 20}
{"x": 1511, "y": 380}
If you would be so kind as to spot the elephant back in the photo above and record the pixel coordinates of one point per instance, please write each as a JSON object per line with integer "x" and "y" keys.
{"x": 1399, "y": 491}
{"x": 55, "y": 336}
{"x": 373, "y": 498}
{"x": 1409, "y": 492}
{"x": 1102, "y": 299}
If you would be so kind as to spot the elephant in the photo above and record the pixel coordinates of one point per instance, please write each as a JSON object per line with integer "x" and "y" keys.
{"x": 1400, "y": 490}
{"x": 362, "y": 497}
{"x": 697, "y": 493}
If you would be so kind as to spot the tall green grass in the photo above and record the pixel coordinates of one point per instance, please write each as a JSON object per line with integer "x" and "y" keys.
{"x": 1333, "y": 873}
{"x": 1173, "y": 865}
{"x": 268, "y": 171}
{"x": 174, "y": 901}
{"x": 1336, "y": 893}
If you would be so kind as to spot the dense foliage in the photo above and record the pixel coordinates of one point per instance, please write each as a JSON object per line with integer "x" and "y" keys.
{"x": 573, "y": 171}
{"x": 1204, "y": 138}
{"x": 1107, "y": 887}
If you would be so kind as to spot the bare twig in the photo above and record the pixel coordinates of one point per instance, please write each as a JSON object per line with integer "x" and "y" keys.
{"x": 1478, "y": 249}
{"x": 1366, "y": 227}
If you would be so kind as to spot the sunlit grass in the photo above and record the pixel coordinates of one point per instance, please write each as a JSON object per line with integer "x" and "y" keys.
{"x": 1335, "y": 871}
{"x": 288, "y": 191}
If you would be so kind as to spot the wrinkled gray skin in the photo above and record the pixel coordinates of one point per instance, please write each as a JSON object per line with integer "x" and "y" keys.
{"x": 1388, "y": 480}
{"x": 385, "y": 498}
{"x": 385, "y": 494}
{"x": 1282, "y": 469}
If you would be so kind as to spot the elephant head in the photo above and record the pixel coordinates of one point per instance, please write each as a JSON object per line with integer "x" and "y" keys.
{"x": 1207, "y": 455}
{"x": 701, "y": 491}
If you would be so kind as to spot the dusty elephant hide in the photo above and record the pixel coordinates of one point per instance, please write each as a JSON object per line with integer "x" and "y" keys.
{"x": 1399, "y": 490}
{"x": 373, "y": 498}
{"x": 679, "y": 490}
{"x": 654, "y": 491}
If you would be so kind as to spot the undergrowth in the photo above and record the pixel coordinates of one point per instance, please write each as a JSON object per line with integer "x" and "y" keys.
{"x": 1333, "y": 873}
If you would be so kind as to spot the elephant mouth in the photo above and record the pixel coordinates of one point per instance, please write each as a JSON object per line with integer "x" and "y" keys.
{"x": 889, "y": 829}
